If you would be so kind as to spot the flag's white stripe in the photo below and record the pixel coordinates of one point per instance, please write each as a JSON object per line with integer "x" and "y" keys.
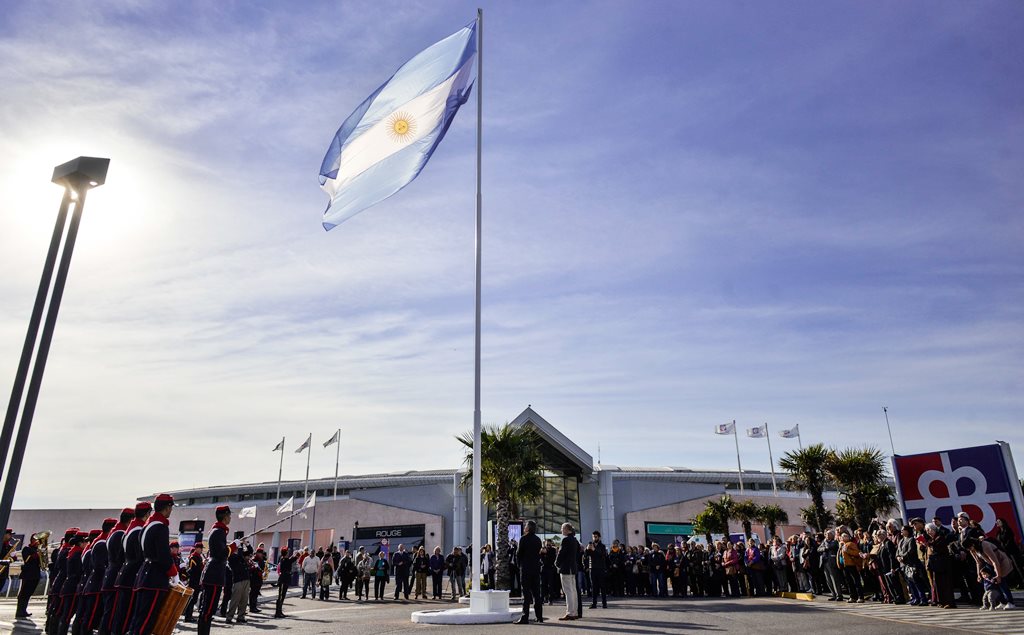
{"x": 376, "y": 144}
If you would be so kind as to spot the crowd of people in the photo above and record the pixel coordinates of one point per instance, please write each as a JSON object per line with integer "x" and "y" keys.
{"x": 110, "y": 580}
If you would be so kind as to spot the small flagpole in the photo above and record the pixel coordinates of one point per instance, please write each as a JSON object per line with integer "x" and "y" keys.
{"x": 477, "y": 449}
{"x": 280, "y": 471}
{"x": 799, "y": 439}
{"x": 739, "y": 468}
{"x": 305, "y": 487}
{"x": 767, "y": 435}
{"x": 337, "y": 461}
{"x": 887, "y": 427}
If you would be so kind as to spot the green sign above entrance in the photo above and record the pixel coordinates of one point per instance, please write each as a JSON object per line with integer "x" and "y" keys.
{"x": 681, "y": 529}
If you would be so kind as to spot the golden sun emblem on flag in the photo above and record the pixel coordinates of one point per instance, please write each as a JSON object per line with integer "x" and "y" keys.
{"x": 401, "y": 126}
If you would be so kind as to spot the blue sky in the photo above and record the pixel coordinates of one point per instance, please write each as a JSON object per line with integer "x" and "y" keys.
{"x": 694, "y": 212}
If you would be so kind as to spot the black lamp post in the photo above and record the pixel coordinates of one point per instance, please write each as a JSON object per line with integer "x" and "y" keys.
{"x": 77, "y": 177}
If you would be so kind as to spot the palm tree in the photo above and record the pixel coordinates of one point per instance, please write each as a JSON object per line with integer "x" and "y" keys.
{"x": 705, "y": 523}
{"x": 746, "y": 512}
{"x": 510, "y": 474}
{"x": 772, "y": 516}
{"x": 715, "y": 517}
{"x": 807, "y": 472}
{"x": 860, "y": 474}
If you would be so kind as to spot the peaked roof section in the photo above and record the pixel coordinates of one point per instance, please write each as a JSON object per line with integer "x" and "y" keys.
{"x": 559, "y": 452}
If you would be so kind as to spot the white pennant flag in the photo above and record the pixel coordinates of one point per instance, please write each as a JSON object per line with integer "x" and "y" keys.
{"x": 758, "y": 432}
{"x": 725, "y": 428}
{"x": 286, "y": 507}
{"x": 310, "y": 502}
{"x": 305, "y": 444}
{"x": 247, "y": 512}
{"x": 333, "y": 439}
{"x": 791, "y": 433}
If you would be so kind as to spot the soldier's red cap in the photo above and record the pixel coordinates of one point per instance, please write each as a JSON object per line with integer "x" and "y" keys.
{"x": 81, "y": 534}
{"x": 127, "y": 510}
{"x": 95, "y": 532}
{"x": 164, "y": 498}
{"x": 9, "y": 531}
{"x": 198, "y": 545}
{"x": 109, "y": 521}
{"x": 174, "y": 543}
{"x": 143, "y": 506}
{"x": 71, "y": 531}
{"x": 223, "y": 508}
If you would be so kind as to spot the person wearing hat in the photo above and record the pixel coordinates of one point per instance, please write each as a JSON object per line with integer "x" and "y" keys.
{"x": 89, "y": 610}
{"x": 125, "y": 583}
{"x": 69, "y": 590}
{"x": 31, "y": 573}
{"x": 115, "y": 560}
{"x": 214, "y": 573}
{"x": 7, "y": 553}
{"x": 86, "y": 600}
{"x": 194, "y": 576}
{"x": 158, "y": 566}
{"x": 58, "y": 571}
{"x": 284, "y": 570}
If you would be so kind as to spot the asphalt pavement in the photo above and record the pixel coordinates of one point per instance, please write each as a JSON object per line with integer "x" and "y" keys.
{"x": 745, "y": 616}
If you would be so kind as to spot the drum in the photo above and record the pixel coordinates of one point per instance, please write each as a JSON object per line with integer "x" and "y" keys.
{"x": 171, "y": 609}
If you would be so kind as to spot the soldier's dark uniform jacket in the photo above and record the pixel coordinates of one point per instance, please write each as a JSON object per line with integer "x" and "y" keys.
{"x": 115, "y": 556}
{"x": 98, "y": 568}
{"x": 195, "y": 569}
{"x": 73, "y": 571}
{"x": 132, "y": 556}
{"x": 218, "y": 549}
{"x": 158, "y": 565}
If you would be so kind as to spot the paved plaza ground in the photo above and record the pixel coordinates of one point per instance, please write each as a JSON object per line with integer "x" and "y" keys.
{"x": 629, "y": 616}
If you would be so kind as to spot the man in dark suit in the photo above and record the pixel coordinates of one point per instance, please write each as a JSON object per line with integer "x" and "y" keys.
{"x": 528, "y": 555}
{"x": 567, "y": 561}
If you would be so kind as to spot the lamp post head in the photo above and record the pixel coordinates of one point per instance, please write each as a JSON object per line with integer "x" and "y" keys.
{"x": 81, "y": 173}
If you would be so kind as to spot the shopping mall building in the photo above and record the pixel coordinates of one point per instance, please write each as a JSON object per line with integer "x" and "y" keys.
{"x": 634, "y": 504}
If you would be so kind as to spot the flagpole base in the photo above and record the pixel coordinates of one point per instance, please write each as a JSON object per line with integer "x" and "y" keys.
{"x": 485, "y": 607}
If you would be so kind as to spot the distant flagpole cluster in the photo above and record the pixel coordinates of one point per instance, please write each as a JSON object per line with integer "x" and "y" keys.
{"x": 309, "y": 500}
{"x": 758, "y": 432}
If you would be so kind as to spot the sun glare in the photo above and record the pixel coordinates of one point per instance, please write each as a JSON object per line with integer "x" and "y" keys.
{"x": 114, "y": 212}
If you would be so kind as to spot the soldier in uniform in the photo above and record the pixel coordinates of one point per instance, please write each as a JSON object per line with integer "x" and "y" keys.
{"x": 125, "y": 582}
{"x": 194, "y": 574}
{"x": 115, "y": 560}
{"x": 158, "y": 567}
{"x": 89, "y": 609}
{"x": 57, "y": 570}
{"x": 30, "y": 576}
{"x": 7, "y": 553}
{"x": 214, "y": 574}
{"x": 87, "y": 568}
{"x": 72, "y": 576}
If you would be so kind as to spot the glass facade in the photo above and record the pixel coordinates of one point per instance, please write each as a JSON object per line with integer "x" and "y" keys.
{"x": 559, "y": 504}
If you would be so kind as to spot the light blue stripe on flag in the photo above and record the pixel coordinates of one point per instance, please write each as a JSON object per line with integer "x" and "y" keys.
{"x": 384, "y": 144}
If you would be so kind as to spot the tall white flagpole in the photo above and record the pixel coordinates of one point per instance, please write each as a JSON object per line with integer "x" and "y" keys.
{"x": 337, "y": 461}
{"x": 775, "y": 489}
{"x": 305, "y": 487}
{"x": 739, "y": 468}
{"x": 477, "y": 449}
{"x": 280, "y": 471}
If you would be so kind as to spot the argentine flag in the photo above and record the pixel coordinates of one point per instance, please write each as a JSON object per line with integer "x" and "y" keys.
{"x": 384, "y": 144}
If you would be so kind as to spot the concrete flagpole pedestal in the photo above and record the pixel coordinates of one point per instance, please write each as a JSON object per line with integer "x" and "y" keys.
{"x": 485, "y": 607}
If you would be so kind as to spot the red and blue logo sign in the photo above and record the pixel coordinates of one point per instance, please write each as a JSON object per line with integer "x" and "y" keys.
{"x": 972, "y": 480}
